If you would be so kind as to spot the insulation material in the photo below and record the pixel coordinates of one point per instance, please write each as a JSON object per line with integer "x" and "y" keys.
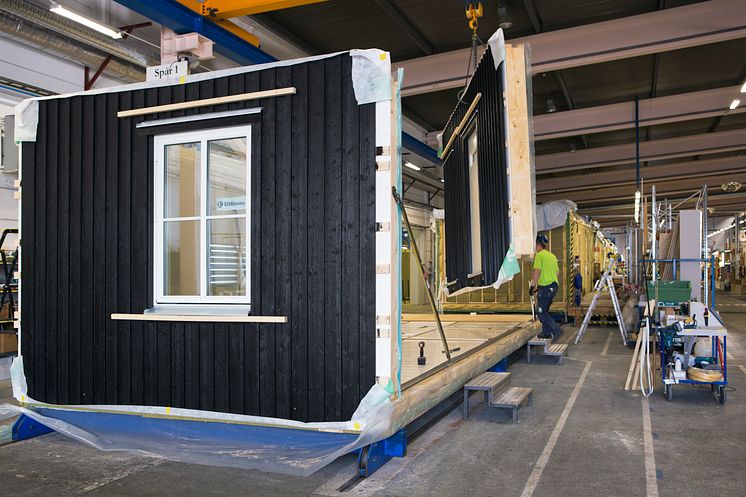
{"x": 26, "y": 120}
{"x": 371, "y": 75}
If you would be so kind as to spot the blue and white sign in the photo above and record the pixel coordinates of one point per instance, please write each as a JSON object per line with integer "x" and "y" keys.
{"x": 231, "y": 204}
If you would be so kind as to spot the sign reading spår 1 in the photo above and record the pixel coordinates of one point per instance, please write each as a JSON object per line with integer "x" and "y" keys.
{"x": 167, "y": 71}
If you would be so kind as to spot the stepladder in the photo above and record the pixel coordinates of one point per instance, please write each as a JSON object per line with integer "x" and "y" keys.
{"x": 605, "y": 283}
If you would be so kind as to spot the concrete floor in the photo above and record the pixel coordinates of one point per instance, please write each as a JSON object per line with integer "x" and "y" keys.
{"x": 593, "y": 446}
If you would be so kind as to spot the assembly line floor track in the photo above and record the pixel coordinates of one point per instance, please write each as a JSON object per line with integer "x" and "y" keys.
{"x": 583, "y": 436}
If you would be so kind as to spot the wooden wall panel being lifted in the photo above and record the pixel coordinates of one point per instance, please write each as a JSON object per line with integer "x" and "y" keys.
{"x": 87, "y": 252}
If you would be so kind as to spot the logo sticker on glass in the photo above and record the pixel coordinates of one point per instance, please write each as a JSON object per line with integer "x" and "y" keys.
{"x": 231, "y": 204}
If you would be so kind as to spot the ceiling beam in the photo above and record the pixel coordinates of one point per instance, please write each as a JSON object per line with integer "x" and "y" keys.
{"x": 627, "y": 192}
{"x": 653, "y": 111}
{"x": 683, "y": 146}
{"x": 225, "y": 9}
{"x": 406, "y": 25}
{"x": 690, "y": 169}
{"x": 722, "y": 201}
{"x": 661, "y": 31}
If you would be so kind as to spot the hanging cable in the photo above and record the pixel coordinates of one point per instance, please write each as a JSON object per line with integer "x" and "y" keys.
{"x": 474, "y": 12}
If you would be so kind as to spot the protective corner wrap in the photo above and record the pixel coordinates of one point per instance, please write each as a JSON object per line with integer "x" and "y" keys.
{"x": 371, "y": 75}
{"x": 497, "y": 44}
{"x": 18, "y": 379}
{"x": 508, "y": 269}
{"x": 553, "y": 214}
{"x": 26, "y": 120}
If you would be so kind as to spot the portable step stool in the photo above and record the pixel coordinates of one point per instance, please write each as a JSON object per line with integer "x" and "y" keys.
{"x": 498, "y": 393}
{"x": 557, "y": 350}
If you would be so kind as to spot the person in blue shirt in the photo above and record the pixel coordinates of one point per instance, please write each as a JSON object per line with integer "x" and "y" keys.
{"x": 577, "y": 284}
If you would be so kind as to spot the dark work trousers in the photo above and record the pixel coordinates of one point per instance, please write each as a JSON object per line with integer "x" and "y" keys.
{"x": 545, "y": 296}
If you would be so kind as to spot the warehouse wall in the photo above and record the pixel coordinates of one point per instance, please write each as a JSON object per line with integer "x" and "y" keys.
{"x": 87, "y": 253}
{"x": 493, "y": 198}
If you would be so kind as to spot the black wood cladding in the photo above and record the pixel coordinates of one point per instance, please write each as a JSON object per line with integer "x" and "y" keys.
{"x": 87, "y": 253}
{"x": 493, "y": 198}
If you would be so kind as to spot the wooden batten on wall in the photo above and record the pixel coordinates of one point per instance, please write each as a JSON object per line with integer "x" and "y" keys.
{"x": 521, "y": 178}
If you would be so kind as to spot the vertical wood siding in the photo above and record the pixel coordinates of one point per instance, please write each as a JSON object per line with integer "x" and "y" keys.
{"x": 493, "y": 197}
{"x": 87, "y": 252}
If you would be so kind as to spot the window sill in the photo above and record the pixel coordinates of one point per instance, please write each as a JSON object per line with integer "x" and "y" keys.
{"x": 201, "y": 309}
{"x": 213, "y": 317}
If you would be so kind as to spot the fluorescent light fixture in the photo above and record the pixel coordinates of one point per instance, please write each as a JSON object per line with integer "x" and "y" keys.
{"x": 735, "y": 103}
{"x": 637, "y": 207}
{"x": 743, "y": 88}
{"x": 412, "y": 166}
{"x": 60, "y": 10}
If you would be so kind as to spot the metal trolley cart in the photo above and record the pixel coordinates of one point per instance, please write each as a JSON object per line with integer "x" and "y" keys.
{"x": 672, "y": 374}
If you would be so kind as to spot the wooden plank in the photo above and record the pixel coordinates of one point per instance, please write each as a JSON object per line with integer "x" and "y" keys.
{"x": 268, "y": 257}
{"x": 111, "y": 234}
{"x": 350, "y": 233}
{"x": 140, "y": 224}
{"x": 51, "y": 309}
{"x": 299, "y": 255}
{"x": 520, "y": 166}
{"x": 366, "y": 223}
{"x": 123, "y": 263}
{"x": 332, "y": 259}
{"x": 283, "y": 246}
{"x": 99, "y": 250}
{"x": 316, "y": 216}
{"x": 178, "y": 372}
{"x": 252, "y": 369}
{"x": 468, "y": 318}
{"x": 461, "y": 124}
{"x": 236, "y": 374}
{"x": 163, "y": 363}
{"x": 207, "y": 102}
{"x": 199, "y": 318}
{"x": 28, "y": 253}
{"x": 64, "y": 295}
{"x": 206, "y": 366}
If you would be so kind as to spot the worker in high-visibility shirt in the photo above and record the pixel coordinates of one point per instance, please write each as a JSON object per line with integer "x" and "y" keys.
{"x": 544, "y": 284}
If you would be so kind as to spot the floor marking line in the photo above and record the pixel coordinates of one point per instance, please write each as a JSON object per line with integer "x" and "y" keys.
{"x": 742, "y": 368}
{"x": 606, "y": 345}
{"x": 541, "y": 463}
{"x": 651, "y": 477}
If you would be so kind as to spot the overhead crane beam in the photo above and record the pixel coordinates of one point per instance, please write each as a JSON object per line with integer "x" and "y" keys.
{"x": 225, "y": 9}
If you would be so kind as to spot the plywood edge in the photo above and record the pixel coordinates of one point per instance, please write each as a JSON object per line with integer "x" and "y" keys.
{"x": 520, "y": 158}
{"x": 226, "y": 318}
{"x": 468, "y": 318}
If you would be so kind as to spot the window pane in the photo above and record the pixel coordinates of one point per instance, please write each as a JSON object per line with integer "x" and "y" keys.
{"x": 226, "y": 176}
{"x": 182, "y": 195}
{"x": 227, "y": 257}
{"x": 474, "y": 219}
{"x": 181, "y": 258}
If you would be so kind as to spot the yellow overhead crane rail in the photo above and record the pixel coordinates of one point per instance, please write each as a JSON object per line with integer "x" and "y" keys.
{"x": 219, "y": 11}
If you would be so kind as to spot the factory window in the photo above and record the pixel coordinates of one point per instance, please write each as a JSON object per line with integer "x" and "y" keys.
{"x": 474, "y": 219}
{"x": 202, "y": 187}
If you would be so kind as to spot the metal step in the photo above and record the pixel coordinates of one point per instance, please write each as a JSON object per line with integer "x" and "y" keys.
{"x": 556, "y": 349}
{"x": 489, "y": 381}
{"x": 538, "y": 342}
{"x": 513, "y": 398}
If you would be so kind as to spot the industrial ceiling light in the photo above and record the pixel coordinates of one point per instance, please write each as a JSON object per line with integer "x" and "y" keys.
{"x": 90, "y": 23}
{"x": 505, "y": 22}
{"x": 550, "y": 106}
{"x": 731, "y": 186}
{"x": 735, "y": 103}
{"x": 637, "y": 206}
{"x": 412, "y": 166}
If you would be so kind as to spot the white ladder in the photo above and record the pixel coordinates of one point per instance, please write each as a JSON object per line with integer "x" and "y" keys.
{"x": 606, "y": 282}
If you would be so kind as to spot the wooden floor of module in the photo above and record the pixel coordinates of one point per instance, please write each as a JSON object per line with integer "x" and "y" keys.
{"x": 463, "y": 332}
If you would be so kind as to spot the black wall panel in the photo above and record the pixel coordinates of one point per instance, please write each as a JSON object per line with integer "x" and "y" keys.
{"x": 87, "y": 253}
{"x": 493, "y": 198}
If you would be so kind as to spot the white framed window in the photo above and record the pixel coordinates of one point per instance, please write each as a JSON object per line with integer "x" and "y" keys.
{"x": 202, "y": 216}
